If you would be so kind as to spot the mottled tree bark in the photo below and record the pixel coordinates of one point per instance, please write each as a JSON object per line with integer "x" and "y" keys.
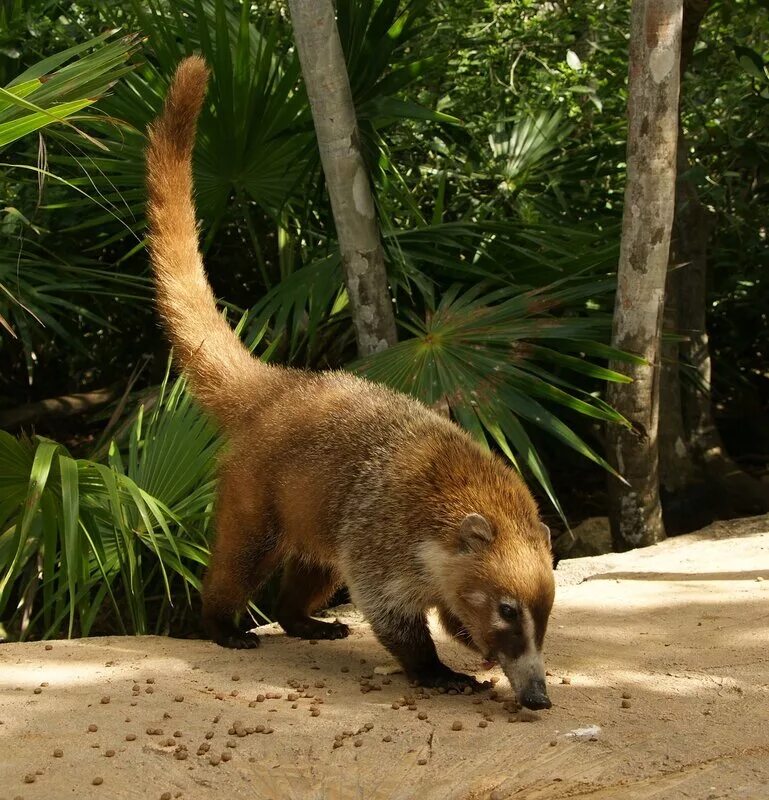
{"x": 655, "y": 48}
{"x": 328, "y": 87}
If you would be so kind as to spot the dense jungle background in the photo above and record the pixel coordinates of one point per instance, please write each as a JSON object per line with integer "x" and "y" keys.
{"x": 495, "y": 135}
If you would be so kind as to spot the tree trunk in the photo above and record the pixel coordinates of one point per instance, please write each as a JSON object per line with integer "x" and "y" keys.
{"x": 655, "y": 48}
{"x": 328, "y": 87}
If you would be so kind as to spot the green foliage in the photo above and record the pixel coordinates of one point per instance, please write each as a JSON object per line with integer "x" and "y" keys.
{"x": 491, "y": 358}
{"x": 494, "y": 133}
{"x": 87, "y": 545}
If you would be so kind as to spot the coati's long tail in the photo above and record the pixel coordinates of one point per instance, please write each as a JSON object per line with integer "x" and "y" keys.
{"x": 220, "y": 369}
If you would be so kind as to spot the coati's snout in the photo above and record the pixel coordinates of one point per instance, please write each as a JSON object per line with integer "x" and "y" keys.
{"x": 506, "y": 601}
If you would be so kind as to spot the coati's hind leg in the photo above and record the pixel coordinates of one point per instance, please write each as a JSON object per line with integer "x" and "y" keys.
{"x": 304, "y": 589}
{"x": 245, "y": 553}
{"x": 408, "y": 638}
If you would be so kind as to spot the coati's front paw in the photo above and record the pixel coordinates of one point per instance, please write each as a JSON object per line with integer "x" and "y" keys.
{"x": 310, "y": 628}
{"x": 238, "y": 640}
{"x": 448, "y": 679}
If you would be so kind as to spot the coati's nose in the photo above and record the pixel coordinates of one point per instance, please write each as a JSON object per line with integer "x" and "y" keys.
{"x": 534, "y": 696}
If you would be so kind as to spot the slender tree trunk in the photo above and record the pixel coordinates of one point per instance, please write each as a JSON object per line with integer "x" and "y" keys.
{"x": 328, "y": 87}
{"x": 655, "y": 48}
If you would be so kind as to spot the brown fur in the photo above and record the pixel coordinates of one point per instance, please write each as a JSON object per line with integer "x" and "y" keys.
{"x": 340, "y": 479}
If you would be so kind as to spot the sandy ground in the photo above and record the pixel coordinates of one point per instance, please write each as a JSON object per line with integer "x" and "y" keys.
{"x": 679, "y": 631}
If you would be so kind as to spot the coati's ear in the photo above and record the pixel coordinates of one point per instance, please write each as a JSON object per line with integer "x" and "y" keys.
{"x": 475, "y": 532}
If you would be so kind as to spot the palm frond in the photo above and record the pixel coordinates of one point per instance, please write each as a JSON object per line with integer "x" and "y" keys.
{"x": 491, "y": 356}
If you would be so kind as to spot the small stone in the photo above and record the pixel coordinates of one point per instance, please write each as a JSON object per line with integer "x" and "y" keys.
{"x": 387, "y": 738}
{"x": 369, "y": 726}
{"x": 625, "y": 704}
{"x": 180, "y": 755}
{"x": 395, "y": 705}
{"x": 166, "y": 715}
{"x": 149, "y": 690}
{"x": 412, "y": 706}
{"x": 260, "y": 698}
{"x": 37, "y": 691}
{"x": 267, "y": 730}
{"x": 150, "y": 680}
{"x": 209, "y": 734}
{"x": 345, "y": 669}
{"x": 566, "y": 680}
{"x": 92, "y": 728}
{"x": 130, "y": 737}
{"x": 58, "y": 753}
{"x": 358, "y": 742}
{"x": 178, "y": 734}
{"x": 421, "y": 761}
{"x": 421, "y": 715}
{"x": 49, "y": 647}
{"x": 165, "y": 796}
{"x": 292, "y": 697}
{"x": 626, "y": 695}
{"x": 231, "y": 743}
{"x": 314, "y": 712}
{"x": 109, "y": 753}
{"x": 214, "y": 761}
{"x": 226, "y": 756}
{"x": 236, "y": 677}
{"x": 97, "y": 781}
{"x": 483, "y": 723}
{"x": 29, "y": 777}
{"x": 456, "y": 725}
{"x": 104, "y": 700}
{"x": 467, "y": 690}
{"x": 320, "y": 685}
{"x": 179, "y": 698}
{"x": 553, "y": 742}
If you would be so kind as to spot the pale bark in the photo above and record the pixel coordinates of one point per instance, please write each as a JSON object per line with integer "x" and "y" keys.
{"x": 655, "y": 47}
{"x": 328, "y": 88}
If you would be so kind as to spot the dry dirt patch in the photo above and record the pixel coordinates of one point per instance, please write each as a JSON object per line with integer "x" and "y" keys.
{"x": 659, "y": 678}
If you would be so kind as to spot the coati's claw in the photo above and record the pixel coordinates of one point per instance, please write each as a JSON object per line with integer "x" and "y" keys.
{"x": 310, "y": 628}
{"x": 448, "y": 679}
{"x": 238, "y": 641}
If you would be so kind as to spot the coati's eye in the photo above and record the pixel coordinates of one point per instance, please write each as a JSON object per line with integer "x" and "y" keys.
{"x": 508, "y": 612}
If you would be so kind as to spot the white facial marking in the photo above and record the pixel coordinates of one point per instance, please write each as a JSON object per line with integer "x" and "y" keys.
{"x": 529, "y": 666}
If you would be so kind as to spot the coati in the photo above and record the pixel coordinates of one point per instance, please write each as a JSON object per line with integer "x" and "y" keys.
{"x": 340, "y": 480}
